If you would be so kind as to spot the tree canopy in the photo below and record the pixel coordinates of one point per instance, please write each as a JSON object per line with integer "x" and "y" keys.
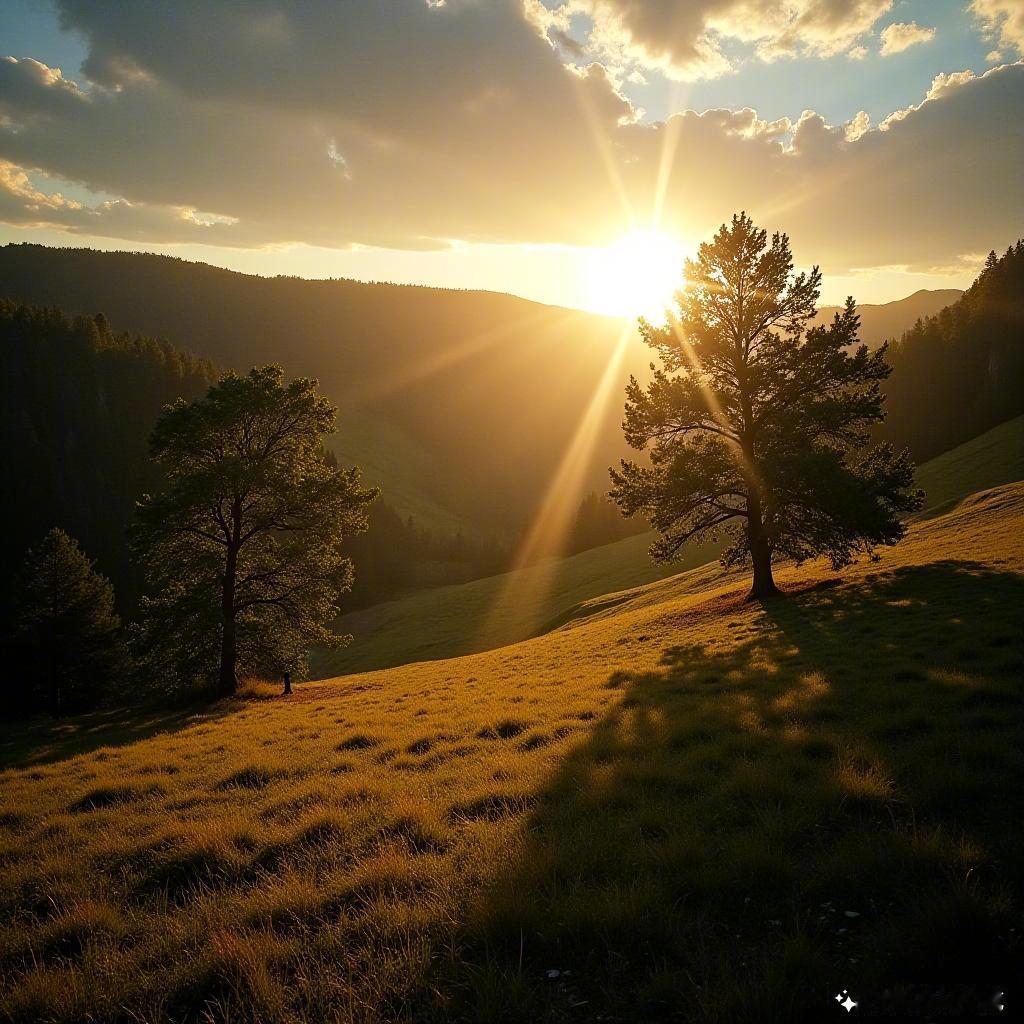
{"x": 243, "y": 549}
{"x": 757, "y": 424}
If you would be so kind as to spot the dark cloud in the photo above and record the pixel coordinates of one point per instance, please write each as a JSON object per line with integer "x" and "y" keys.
{"x": 406, "y": 124}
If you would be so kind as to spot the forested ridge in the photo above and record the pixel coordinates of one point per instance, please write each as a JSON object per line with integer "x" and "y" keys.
{"x": 77, "y": 405}
{"x": 961, "y": 371}
{"x": 459, "y": 404}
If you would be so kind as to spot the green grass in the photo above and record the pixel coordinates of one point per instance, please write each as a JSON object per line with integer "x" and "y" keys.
{"x": 995, "y": 457}
{"x": 686, "y": 804}
{"x": 466, "y": 618}
{"x": 390, "y": 459}
{"x": 449, "y": 621}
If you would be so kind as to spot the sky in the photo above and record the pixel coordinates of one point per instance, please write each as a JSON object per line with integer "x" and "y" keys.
{"x": 572, "y": 151}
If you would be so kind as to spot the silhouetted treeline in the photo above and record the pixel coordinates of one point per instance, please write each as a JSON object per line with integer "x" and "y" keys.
{"x": 77, "y": 404}
{"x": 599, "y": 522}
{"x": 397, "y": 555}
{"x": 466, "y": 400}
{"x": 64, "y": 648}
{"x": 961, "y": 372}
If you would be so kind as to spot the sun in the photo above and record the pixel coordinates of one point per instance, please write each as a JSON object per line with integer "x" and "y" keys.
{"x": 637, "y": 275}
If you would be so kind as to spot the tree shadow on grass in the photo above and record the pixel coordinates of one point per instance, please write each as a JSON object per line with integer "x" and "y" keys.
{"x": 38, "y": 741}
{"x": 831, "y": 802}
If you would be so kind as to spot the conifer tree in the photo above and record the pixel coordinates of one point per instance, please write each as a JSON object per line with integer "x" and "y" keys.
{"x": 757, "y": 423}
{"x": 67, "y": 633}
{"x": 243, "y": 548}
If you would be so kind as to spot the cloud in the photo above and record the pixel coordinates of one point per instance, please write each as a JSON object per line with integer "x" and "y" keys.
{"x": 1002, "y": 20}
{"x": 407, "y": 125}
{"x": 35, "y": 89}
{"x": 901, "y": 35}
{"x": 688, "y": 39}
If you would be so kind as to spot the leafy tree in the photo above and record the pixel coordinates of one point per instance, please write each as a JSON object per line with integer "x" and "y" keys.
{"x": 67, "y": 633}
{"x": 243, "y": 548}
{"x": 757, "y": 424}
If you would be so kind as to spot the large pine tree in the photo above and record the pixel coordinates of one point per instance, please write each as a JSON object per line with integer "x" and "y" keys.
{"x": 243, "y": 549}
{"x": 757, "y": 424}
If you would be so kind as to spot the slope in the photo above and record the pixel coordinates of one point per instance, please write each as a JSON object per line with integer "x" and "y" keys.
{"x": 685, "y": 805}
{"x": 487, "y": 613}
{"x": 992, "y": 458}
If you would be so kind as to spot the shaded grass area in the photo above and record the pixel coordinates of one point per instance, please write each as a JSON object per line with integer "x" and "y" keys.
{"x": 689, "y": 806}
{"x": 41, "y": 740}
{"x": 832, "y": 801}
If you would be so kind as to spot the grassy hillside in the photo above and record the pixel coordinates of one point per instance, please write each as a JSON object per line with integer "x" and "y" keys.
{"x": 682, "y": 802}
{"x": 488, "y": 613}
{"x": 995, "y": 457}
{"x": 448, "y": 621}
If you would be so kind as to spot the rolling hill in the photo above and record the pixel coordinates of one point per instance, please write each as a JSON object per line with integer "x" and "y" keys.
{"x": 461, "y": 405}
{"x": 679, "y": 803}
{"x": 487, "y": 613}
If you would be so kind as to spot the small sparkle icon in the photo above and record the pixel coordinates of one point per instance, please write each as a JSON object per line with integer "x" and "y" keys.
{"x": 846, "y": 1003}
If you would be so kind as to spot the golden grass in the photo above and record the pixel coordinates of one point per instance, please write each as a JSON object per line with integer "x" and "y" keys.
{"x": 673, "y": 800}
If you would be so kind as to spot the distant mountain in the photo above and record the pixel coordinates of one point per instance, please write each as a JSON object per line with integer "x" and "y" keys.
{"x": 461, "y": 404}
{"x": 888, "y": 320}
{"x": 961, "y": 371}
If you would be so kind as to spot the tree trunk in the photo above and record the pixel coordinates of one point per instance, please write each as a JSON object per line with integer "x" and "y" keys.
{"x": 764, "y": 582}
{"x": 228, "y": 681}
{"x": 760, "y": 549}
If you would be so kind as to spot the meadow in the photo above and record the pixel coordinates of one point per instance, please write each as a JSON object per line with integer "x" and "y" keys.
{"x": 677, "y": 803}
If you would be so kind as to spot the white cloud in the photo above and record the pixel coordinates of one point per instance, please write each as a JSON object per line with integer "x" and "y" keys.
{"x": 859, "y": 125}
{"x": 1002, "y": 20}
{"x": 353, "y": 127}
{"x": 901, "y": 35}
{"x": 687, "y": 39}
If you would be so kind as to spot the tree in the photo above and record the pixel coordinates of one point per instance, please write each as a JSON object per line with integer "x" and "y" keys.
{"x": 757, "y": 422}
{"x": 961, "y": 372}
{"x": 243, "y": 549}
{"x": 66, "y": 633}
